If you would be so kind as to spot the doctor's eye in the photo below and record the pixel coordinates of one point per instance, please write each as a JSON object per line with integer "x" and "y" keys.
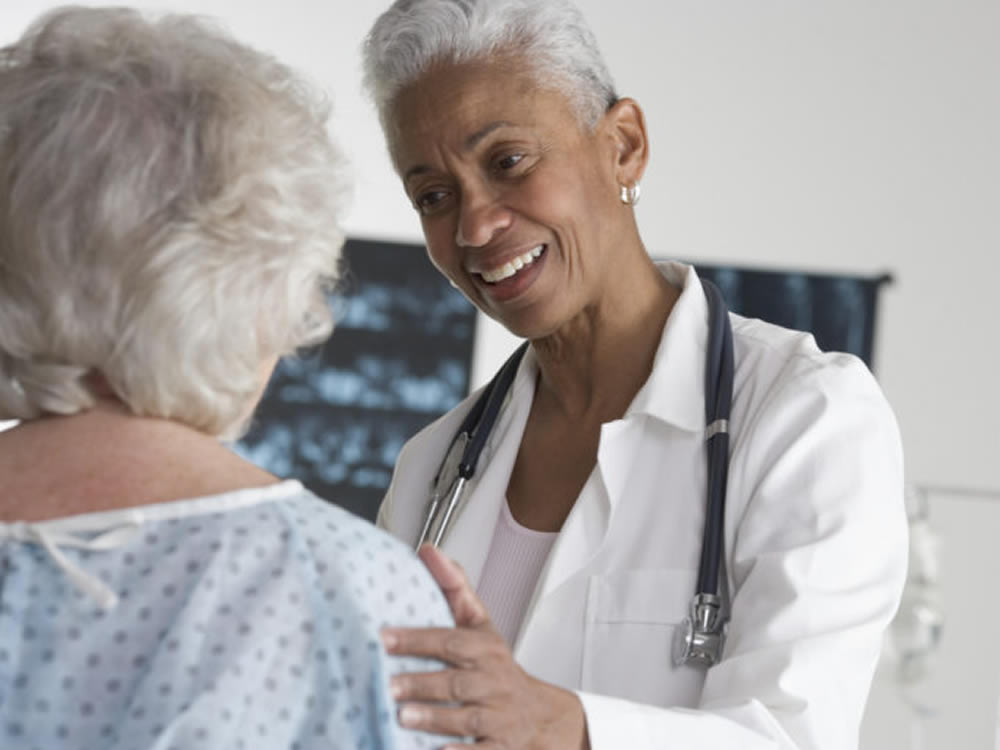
{"x": 510, "y": 163}
{"x": 428, "y": 202}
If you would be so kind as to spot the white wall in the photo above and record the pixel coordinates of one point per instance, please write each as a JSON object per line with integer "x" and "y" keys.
{"x": 847, "y": 135}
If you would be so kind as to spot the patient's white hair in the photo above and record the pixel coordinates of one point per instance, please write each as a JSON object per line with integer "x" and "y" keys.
{"x": 550, "y": 37}
{"x": 169, "y": 217}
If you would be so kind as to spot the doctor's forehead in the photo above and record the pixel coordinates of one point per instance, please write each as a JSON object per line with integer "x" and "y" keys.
{"x": 459, "y": 106}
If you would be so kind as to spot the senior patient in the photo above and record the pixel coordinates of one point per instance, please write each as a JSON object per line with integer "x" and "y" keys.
{"x": 169, "y": 206}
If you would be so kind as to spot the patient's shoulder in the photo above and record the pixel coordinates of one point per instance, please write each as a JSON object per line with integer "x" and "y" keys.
{"x": 379, "y": 574}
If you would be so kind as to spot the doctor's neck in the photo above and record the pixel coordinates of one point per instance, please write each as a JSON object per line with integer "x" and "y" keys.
{"x": 596, "y": 362}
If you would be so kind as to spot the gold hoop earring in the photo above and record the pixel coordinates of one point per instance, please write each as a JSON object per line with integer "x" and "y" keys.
{"x": 630, "y": 195}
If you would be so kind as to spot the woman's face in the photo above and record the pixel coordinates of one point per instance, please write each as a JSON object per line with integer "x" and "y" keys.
{"x": 519, "y": 202}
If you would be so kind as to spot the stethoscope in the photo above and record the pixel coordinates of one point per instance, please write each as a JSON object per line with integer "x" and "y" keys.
{"x": 701, "y": 638}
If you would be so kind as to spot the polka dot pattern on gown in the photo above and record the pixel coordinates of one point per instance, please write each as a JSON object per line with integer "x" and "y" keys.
{"x": 253, "y": 626}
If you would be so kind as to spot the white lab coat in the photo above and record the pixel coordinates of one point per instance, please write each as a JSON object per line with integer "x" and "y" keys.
{"x": 815, "y": 544}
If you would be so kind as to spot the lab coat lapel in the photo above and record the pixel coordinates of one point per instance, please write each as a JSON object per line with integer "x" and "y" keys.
{"x": 468, "y": 542}
{"x": 588, "y": 522}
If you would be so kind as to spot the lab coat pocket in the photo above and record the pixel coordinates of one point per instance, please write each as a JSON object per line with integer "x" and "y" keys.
{"x": 631, "y": 621}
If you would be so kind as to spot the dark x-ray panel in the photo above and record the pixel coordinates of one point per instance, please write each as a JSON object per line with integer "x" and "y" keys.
{"x": 838, "y": 310}
{"x": 399, "y": 357}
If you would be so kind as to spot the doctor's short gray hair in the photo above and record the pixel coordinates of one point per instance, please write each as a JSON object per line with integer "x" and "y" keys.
{"x": 169, "y": 217}
{"x": 551, "y": 37}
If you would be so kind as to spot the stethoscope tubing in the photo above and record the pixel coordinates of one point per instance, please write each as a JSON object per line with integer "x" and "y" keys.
{"x": 498, "y": 389}
{"x": 475, "y": 430}
{"x": 719, "y": 375}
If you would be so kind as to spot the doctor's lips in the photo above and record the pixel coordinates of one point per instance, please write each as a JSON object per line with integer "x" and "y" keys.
{"x": 512, "y": 267}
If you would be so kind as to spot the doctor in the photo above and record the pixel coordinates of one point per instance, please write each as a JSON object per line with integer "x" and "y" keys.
{"x": 579, "y": 540}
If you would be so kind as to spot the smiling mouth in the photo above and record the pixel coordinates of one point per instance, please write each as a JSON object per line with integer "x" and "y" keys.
{"x": 511, "y": 267}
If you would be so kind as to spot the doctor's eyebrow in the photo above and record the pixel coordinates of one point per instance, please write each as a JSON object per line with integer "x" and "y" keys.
{"x": 471, "y": 142}
{"x": 476, "y": 138}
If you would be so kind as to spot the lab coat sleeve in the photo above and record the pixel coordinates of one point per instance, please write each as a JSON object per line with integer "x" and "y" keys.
{"x": 384, "y": 510}
{"x": 817, "y": 560}
{"x": 402, "y": 507}
{"x": 386, "y": 518}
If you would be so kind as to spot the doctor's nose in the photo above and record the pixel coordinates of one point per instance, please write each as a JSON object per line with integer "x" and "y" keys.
{"x": 480, "y": 219}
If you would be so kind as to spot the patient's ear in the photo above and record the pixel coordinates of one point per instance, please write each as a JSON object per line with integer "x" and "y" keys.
{"x": 95, "y": 382}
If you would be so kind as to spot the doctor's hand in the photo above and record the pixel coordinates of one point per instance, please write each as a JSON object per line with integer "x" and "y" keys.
{"x": 482, "y": 693}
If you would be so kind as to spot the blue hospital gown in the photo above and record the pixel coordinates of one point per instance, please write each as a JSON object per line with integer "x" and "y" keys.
{"x": 244, "y": 620}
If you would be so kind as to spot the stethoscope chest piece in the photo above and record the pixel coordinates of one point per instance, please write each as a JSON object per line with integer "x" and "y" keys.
{"x": 702, "y": 635}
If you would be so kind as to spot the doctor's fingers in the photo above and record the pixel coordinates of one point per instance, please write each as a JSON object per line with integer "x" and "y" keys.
{"x": 466, "y": 607}
{"x": 475, "y": 721}
{"x": 447, "y": 686}
{"x": 535, "y": 716}
{"x": 462, "y": 647}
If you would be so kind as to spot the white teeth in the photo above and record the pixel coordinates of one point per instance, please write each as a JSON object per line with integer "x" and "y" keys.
{"x": 511, "y": 267}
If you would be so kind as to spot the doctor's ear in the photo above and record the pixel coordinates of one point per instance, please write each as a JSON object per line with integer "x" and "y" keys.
{"x": 625, "y": 123}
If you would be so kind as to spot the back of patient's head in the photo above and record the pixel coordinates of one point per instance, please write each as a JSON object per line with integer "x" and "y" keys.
{"x": 169, "y": 217}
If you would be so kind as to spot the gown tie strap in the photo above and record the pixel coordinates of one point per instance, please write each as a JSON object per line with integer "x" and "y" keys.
{"x": 62, "y": 533}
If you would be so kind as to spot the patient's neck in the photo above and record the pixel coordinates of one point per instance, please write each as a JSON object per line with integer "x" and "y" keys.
{"x": 106, "y": 459}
